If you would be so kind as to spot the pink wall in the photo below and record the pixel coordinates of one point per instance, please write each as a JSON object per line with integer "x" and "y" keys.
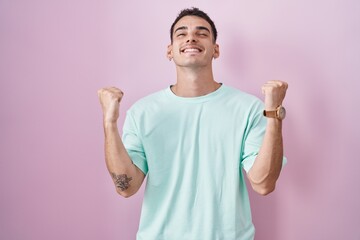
{"x": 54, "y": 56}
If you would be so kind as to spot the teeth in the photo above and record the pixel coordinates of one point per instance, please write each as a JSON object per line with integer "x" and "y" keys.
{"x": 191, "y": 50}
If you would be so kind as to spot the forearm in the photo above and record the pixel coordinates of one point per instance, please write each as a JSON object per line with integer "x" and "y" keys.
{"x": 126, "y": 176}
{"x": 267, "y": 166}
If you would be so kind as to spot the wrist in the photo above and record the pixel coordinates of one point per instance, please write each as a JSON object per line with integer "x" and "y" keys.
{"x": 271, "y": 107}
{"x": 110, "y": 124}
{"x": 279, "y": 113}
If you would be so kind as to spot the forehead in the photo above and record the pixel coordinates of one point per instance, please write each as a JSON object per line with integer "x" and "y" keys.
{"x": 192, "y": 22}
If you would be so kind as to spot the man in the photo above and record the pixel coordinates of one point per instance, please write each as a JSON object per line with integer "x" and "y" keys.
{"x": 192, "y": 141}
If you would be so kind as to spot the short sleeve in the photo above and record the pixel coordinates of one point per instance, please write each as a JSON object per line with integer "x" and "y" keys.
{"x": 133, "y": 143}
{"x": 254, "y": 136}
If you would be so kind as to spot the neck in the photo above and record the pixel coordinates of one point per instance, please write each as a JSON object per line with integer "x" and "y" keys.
{"x": 194, "y": 83}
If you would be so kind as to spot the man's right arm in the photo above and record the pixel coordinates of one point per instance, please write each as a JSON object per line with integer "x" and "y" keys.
{"x": 126, "y": 176}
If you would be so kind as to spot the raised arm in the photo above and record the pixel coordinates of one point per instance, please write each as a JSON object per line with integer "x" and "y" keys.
{"x": 267, "y": 166}
{"x": 126, "y": 176}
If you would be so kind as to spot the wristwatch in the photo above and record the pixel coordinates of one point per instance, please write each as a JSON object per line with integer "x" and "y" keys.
{"x": 278, "y": 113}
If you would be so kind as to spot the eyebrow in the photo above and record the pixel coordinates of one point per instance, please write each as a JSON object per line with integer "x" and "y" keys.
{"x": 198, "y": 28}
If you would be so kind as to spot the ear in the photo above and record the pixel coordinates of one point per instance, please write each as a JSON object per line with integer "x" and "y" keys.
{"x": 169, "y": 53}
{"x": 216, "y": 53}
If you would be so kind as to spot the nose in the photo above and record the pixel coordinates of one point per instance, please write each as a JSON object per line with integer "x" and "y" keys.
{"x": 191, "y": 38}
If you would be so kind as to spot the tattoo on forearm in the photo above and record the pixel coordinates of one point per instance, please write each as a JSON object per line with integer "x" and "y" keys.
{"x": 122, "y": 181}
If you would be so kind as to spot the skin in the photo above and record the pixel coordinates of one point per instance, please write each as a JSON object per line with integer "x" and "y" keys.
{"x": 194, "y": 69}
{"x": 193, "y": 50}
{"x": 126, "y": 176}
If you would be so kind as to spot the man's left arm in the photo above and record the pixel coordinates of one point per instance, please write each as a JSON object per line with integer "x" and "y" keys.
{"x": 267, "y": 166}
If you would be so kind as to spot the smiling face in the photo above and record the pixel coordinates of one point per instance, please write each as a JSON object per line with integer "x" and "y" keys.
{"x": 192, "y": 44}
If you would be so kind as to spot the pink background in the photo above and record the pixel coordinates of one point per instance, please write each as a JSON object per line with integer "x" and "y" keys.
{"x": 54, "y": 55}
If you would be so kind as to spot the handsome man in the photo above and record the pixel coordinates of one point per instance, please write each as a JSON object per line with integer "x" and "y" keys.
{"x": 192, "y": 140}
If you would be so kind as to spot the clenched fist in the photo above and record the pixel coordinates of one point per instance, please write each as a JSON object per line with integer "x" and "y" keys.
{"x": 274, "y": 92}
{"x": 110, "y": 100}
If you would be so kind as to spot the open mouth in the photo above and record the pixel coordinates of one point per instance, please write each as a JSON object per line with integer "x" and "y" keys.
{"x": 191, "y": 49}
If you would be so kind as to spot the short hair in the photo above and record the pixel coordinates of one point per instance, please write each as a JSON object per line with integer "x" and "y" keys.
{"x": 194, "y": 12}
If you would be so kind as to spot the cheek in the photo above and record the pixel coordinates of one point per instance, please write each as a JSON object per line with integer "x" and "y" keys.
{"x": 175, "y": 50}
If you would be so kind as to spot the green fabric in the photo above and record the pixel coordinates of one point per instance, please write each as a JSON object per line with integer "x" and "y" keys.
{"x": 192, "y": 150}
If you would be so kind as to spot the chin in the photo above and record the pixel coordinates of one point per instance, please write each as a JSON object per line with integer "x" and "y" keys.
{"x": 192, "y": 63}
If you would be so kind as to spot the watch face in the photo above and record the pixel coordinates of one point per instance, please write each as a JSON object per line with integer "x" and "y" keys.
{"x": 282, "y": 113}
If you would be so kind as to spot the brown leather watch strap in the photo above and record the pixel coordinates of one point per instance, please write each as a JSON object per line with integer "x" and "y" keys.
{"x": 271, "y": 114}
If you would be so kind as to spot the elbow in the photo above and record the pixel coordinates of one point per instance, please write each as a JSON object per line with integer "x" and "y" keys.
{"x": 263, "y": 185}
{"x": 263, "y": 189}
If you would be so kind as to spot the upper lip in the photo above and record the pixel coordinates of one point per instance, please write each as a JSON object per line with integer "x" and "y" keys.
{"x": 191, "y": 47}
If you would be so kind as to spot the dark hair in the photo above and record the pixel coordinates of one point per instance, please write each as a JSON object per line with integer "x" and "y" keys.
{"x": 194, "y": 12}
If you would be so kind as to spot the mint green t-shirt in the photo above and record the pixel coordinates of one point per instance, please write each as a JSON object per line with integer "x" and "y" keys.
{"x": 193, "y": 151}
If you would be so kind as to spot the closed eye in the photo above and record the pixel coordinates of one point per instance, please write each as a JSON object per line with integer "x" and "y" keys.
{"x": 203, "y": 34}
